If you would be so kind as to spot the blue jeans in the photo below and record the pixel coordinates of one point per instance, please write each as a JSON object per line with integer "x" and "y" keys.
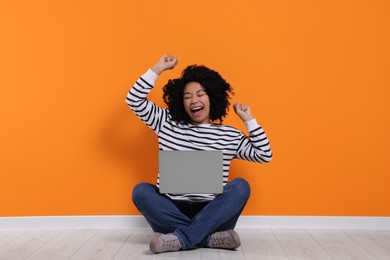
{"x": 192, "y": 222}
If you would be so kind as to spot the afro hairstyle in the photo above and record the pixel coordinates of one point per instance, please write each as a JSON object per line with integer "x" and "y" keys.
{"x": 218, "y": 90}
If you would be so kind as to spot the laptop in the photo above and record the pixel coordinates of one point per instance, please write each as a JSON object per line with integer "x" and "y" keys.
{"x": 197, "y": 172}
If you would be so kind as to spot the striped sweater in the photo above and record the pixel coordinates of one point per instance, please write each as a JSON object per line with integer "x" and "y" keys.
{"x": 173, "y": 136}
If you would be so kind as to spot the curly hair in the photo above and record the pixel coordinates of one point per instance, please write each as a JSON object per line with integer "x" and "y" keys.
{"x": 216, "y": 88}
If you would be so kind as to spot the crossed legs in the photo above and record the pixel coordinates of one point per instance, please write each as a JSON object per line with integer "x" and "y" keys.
{"x": 192, "y": 222}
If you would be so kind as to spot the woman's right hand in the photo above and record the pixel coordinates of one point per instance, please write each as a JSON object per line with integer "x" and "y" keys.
{"x": 166, "y": 62}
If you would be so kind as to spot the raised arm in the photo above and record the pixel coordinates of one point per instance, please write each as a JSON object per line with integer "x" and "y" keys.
{"x": 256, "y": 148}
{"x": 152, "y": 115}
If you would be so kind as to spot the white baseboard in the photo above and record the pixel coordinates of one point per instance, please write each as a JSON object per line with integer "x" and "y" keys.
{"x": 97, "y": 222}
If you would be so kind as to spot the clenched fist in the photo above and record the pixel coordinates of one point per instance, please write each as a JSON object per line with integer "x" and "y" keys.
{"x": 166, "y": 62}
{"x": 243, "y": 111}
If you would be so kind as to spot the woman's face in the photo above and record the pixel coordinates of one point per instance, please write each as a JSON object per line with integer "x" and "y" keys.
{"x": 196, "y": 103}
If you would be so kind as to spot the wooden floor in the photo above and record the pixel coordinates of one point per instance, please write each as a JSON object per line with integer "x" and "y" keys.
{"x": 134, "y": 244}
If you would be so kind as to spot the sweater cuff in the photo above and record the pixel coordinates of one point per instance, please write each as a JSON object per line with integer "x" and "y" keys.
{"x": 251, "y": 124}
{"x": 150, "y": 76}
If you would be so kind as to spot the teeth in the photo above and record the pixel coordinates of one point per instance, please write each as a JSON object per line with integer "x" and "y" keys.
{"x": 196, "y": 108}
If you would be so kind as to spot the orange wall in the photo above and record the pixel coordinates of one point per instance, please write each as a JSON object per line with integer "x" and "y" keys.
{"x": 316, "y": 74}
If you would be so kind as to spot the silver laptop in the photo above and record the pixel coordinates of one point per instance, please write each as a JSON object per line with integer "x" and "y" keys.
{"x": 195, "y": 172}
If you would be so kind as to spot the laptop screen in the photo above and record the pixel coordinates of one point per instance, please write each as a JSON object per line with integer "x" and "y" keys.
{"x": 182, "y": 172}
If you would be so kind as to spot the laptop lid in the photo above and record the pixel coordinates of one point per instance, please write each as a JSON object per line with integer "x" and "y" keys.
{"x": 195, "y": 172}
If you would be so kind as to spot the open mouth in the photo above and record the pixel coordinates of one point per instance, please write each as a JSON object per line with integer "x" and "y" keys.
{"x": 196, "y": 111}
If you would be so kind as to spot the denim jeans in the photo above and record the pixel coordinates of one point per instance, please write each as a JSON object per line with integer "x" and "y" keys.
{"x": 192, "y": 222}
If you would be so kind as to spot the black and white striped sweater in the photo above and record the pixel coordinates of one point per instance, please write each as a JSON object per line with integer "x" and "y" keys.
{"x": 177, "y": 136}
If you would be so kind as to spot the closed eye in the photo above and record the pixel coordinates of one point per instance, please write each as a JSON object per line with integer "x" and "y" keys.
{"x": 201, "y": 93}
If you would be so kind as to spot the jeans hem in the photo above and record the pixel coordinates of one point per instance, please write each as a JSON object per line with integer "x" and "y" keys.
{"x": 183, "y": 247}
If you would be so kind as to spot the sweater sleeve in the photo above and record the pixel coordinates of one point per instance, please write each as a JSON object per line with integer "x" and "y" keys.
{"x": 152, "y": 115}
{"x": 256, "y": 147}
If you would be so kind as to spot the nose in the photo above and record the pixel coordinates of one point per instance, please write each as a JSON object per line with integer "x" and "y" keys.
{"x": 194, "y": 100}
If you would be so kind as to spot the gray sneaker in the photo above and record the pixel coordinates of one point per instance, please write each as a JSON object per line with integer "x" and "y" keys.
{"x": 225, "y": 239}
{"x": 164, "y": 243}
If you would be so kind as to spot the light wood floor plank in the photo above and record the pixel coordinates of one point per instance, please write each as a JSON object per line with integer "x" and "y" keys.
{"x": 27, "y": 244}
{"x": 231, "y": 254}
{"x": 374, "y": 242}
{"x": 259, "y": 244}
{"x": 300, "y": 245}
{"x": 64, "y": 245}
{"x": 187, "y": 255}
{"x": 209, "y": 253}
{"x": 136, "y": 246}
{"x": 7, "y": 236}
{"x": 339, "y": 245}
{"x": 385, "y": 233}
{"x": 103, "y": 245}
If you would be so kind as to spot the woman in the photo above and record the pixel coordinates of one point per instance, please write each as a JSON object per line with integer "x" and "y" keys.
{"x": 197, "y": 103}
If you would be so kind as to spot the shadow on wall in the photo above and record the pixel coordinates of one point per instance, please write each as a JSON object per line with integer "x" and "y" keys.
{"x": 131, "y": 144}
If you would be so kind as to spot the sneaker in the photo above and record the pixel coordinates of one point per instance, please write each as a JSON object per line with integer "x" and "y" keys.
{"x": 225, "y": 239}
{"x": 164, "y": 243}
